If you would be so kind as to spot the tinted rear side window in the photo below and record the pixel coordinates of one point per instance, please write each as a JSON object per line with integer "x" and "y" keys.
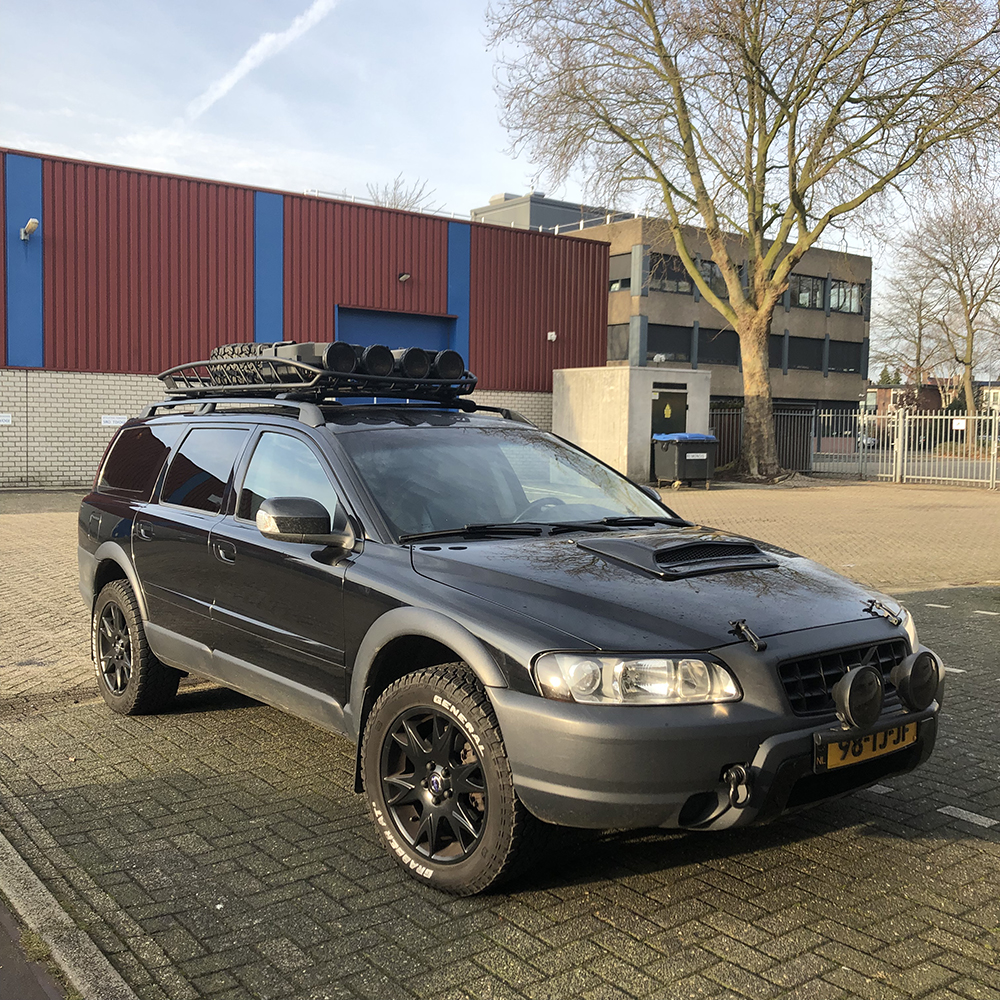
{"x": 198, "y": 475}
{"x": 136, "y": 459}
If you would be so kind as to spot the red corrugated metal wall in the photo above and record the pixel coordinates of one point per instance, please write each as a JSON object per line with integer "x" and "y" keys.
{"x": 352, "y": 255}
{"x": 525, "y": 284}
{"x": 142, "y": 271}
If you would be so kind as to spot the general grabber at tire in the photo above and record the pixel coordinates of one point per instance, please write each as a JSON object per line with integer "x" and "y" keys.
{"x": 131, "y": 679}
{"x": 439, "y": 785}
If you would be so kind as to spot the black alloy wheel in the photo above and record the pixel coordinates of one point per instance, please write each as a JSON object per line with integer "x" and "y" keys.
{"x": 114, "y": 649}
{"x": 439, "y": 785}
{"x": 433, "y": 785}
{"x": 131, "y": 679}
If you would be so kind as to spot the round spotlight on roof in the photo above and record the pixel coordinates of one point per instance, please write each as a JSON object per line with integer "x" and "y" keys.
{"x": 413, "y": 362}
{"x": 448, "y": 365}
{"x": 858, "y": 697}
{"x": 340, "y": 357}
{"x": 916, "y": 679}
{"x": 375, "y": 360}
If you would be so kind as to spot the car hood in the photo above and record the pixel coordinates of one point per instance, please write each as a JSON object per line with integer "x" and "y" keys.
{"x": 614, "y": 591}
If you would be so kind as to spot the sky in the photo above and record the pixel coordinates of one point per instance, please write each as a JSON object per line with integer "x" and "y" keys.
{"x": 328, "y": 95}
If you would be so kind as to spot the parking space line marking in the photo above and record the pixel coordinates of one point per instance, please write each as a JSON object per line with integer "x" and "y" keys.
{"x": 937, "y": 605}
{"x": 986, "y": 612}
{"x": 954, "y": 670}
{"x": 969, "y": 817}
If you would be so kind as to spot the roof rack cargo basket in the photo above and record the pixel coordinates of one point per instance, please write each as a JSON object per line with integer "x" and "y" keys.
{"x": 320, "y": 372}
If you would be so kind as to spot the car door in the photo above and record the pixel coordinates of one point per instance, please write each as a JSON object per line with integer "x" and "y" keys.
{"x": 170, "y": 535}
{"x": 280, "y": 606}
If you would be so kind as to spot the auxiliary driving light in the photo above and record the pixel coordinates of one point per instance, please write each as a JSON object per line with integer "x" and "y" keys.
{"x": 413, "y": 362}
{"x": 858, "y": 697}
{"x": 340, "y": 357}
{"x": 916, "y": 679}
{"x": 375, "y": 360}
{"x": 449, "y": 365}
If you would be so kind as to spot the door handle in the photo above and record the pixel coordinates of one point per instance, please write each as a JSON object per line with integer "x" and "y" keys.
{"x": 224, "y": 551}
{"x": 144, "y": 530}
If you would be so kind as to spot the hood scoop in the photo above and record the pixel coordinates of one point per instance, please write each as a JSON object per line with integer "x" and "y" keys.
{"x": 672, "y": 561}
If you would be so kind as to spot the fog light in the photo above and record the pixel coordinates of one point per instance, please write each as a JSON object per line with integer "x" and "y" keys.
{"x": 449, "y": 365}
{"x": 916, "y": 679}
{"x": 858, "y": 697}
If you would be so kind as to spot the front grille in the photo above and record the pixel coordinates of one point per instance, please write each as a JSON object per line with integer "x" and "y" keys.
{"x": 705, "y": 550}
{"x": 809, "y": 682}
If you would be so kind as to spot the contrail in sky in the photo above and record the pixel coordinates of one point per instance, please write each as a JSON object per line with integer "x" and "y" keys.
{"x": 269, "y": 44}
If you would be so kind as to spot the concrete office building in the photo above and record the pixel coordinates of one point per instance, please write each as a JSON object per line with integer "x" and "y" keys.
{"x": 819, "y": 334}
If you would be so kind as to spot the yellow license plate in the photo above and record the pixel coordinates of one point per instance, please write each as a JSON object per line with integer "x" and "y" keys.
{"x": 831, "y": 753}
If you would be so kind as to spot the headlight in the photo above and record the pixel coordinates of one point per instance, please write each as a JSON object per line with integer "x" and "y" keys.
{"x": 643, "y": 680}
{"x": 910, "y": 628}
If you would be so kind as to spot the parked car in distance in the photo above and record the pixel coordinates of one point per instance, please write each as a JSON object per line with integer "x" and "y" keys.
{"x": 512, "y": 632}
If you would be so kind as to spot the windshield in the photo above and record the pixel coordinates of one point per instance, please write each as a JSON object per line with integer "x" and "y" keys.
{"x": 445, "y": 477}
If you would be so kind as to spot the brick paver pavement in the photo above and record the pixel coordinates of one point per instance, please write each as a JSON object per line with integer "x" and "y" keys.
{"x": 219, "y": 850}
{"x": 889, "y": 536}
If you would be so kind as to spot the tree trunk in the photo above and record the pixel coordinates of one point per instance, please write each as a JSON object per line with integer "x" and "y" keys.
{"x": 759, "y": 458}
{"x": 970, "y": 391}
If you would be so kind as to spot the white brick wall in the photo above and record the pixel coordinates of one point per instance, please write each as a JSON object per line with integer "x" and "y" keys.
{"x": 536, "y": 406}
{"x": 56, "y": 437}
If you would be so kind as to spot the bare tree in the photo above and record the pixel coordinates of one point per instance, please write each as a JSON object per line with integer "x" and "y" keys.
{"x": 399, "y": 194}
{"x": 771, "y": 119}
{"x": 905, "y": 331}
{"x": 955, "y": 251}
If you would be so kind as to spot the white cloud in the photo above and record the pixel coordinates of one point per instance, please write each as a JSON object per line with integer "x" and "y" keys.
{"x": 269, "y": 44}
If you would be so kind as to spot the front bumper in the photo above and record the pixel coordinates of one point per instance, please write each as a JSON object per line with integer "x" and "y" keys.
{"x": 626, "y": 767}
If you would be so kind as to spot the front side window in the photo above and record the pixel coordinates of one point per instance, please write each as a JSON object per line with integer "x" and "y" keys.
{"x": 201, "y": 469}
{"x": 436, "y": 478}
{"x": 283, "y": 466}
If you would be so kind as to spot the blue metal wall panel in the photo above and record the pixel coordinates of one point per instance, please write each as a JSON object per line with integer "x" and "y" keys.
{"x": 25, "y": 299}
{"x": 394, "y": 330}
{"x": 459, "y": 278}
{"x": 268, "y": 267}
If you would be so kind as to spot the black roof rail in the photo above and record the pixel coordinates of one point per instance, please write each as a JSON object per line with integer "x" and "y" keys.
{"x": 308, "y": 413}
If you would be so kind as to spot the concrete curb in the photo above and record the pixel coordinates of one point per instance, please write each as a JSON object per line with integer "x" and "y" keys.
{"x": 91, "y": 974}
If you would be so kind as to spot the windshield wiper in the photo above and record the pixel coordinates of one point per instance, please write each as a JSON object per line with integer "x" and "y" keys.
{"x": 474, "y": 530}
{"x": 639, "y": 520}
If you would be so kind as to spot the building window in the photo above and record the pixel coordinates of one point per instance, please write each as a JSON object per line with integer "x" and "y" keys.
{"x": 805, "y": 353}
{"x": 619, "y": 284}
{"x": 845, "y": 356}
{"x": 845, "y": 296}
{"x": 668, "y": 274}
{"x": 713, "y": 277}
{"x": 718, "y": 347}
{"x": 806, "y": 291}
{"x": 668, "y": 343}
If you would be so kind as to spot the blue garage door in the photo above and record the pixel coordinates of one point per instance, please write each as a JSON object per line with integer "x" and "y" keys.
{"x": 395, "y": 330}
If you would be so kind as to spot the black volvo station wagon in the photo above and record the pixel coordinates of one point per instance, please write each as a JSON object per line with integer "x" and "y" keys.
{"x": 512, "y": 633}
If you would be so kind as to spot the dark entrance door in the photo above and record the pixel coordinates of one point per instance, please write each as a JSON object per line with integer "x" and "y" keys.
{"x": 669, "y": 415}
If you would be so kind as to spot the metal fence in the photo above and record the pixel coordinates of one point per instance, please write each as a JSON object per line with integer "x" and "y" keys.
{"x": 948, "y": 448}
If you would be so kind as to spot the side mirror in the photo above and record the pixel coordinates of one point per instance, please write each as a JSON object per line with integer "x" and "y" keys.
{"x": 300, "y": 519}
{"x": 652, "y": 493}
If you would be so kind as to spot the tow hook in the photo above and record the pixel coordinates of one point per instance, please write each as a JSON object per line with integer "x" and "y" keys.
{"x": 737, "y": 776}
